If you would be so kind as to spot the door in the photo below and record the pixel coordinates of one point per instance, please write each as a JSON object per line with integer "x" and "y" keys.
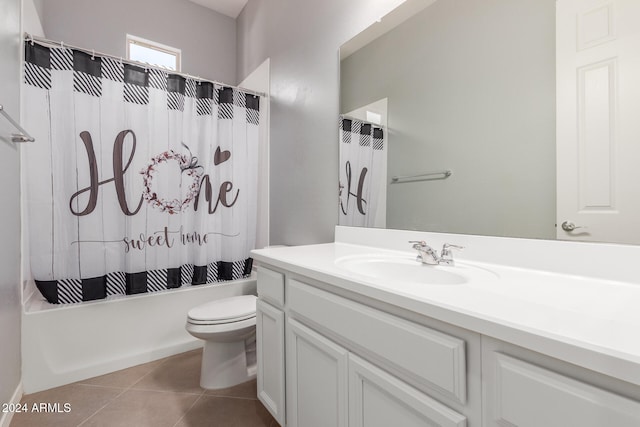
{"x": 598, "y": 120}
{"x": 270, "y": 352}
{"x": 316, "y": 379}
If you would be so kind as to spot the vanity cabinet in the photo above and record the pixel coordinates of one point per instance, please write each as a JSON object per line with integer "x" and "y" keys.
{"x": 531, "y": 348}
{"x": 350, "y": 364}
{"x": 355, "y": 361}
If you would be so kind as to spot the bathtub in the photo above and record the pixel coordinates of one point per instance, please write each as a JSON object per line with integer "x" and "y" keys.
{"x": 68, "y": 343}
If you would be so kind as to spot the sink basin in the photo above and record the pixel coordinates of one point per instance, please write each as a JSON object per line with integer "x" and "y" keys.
{"x": 405, "y": 269}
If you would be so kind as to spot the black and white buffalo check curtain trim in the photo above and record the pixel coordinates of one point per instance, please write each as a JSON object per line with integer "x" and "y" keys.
{"x": 363, "y": 133}
{"x": 91, "y": 72}
{"x": 70, "y": 291}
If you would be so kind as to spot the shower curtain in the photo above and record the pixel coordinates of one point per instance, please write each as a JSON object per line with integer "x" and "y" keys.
{"x": 362, "y": 157}
{"x": 139, "y": 180}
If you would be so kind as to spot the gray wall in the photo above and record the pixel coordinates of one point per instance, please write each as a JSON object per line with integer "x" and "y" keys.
{"x": 471, "y": 88}
{"x": 207, "y": 38}
{"x": 10, "y": 304}
{"x": 301, "y": 38}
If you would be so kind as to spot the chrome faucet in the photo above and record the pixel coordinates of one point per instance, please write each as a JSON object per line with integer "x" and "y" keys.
{"x": 428, "y": 255}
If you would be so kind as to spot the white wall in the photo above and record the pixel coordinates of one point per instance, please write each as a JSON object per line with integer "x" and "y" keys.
{"x": 10, "y": 304}
{"x": 207, "y": 38}
{"x": 301, "y": 38}
{"x": 473, "y": 92}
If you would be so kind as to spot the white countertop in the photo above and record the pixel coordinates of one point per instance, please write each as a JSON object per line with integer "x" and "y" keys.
{"x": 594, "y": 323}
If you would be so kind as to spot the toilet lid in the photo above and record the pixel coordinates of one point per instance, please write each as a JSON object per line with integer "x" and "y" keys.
{"x": 226, "y": 309}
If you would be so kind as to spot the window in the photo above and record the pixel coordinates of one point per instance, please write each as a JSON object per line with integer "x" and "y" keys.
{"x": 374, "y": 117}
{"x": 153, "y": 53}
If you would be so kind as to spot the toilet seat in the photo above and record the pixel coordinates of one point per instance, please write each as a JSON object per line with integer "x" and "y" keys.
{"x": 227, "y": 310}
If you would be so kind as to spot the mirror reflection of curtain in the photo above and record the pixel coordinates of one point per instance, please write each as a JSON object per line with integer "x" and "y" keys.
{"x": 362, "y": 158}
{"x": 141, "y": 180}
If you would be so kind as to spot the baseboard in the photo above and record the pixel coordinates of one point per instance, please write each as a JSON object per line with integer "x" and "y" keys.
{"x": 6, "y": 417}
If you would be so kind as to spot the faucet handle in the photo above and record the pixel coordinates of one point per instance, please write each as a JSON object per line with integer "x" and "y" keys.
{"x": 446, "y": 249}
{"x": 418, "y": 244}
{"x": 447, "y": 246}
{"x": 445, "y": 256}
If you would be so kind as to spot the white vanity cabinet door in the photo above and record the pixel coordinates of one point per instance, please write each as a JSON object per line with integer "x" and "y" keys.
{"x": 270, "y": 352}
{"x": 520, "y": 394}
{"x": 316, "y": 379}
{"x": 378, "y": 399}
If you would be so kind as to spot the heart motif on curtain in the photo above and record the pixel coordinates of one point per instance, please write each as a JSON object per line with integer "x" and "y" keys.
{"x": 221, "y": 156}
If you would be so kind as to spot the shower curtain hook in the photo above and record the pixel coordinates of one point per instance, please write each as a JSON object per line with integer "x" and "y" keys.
{"x": 93, "y": 54}
{"x": 31, "y": 39}
{"x": 61, "y": 44}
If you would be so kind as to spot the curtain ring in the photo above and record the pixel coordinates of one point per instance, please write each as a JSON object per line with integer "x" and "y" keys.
{"x": 61, "y": 44}
{"x": 31, "y": 39}
{"x": 93, "y": 54}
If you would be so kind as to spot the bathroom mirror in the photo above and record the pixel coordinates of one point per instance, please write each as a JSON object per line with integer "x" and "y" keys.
{"x": 469, "y": 87}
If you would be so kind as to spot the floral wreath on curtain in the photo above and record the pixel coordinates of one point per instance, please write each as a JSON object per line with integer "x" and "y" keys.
{"x": 188, "y": 165}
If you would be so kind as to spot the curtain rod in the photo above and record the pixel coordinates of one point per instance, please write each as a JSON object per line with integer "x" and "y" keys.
{"x": 52, "y": 43}
{"x": 345, "y": 116}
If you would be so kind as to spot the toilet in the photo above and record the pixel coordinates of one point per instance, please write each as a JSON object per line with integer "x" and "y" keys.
{"x": 228, "y": 328}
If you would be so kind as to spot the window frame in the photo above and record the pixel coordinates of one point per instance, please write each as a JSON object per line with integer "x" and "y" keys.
{"x": 149, "y": 44}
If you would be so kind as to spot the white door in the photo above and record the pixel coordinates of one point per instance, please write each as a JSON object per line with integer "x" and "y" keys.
{"x": 270, "y": 347}
{"x": 316, "y": 379}
{"x": 598, "y": 120}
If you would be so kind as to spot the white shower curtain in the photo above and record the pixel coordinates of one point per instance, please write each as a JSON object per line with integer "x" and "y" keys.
{"x": 139, "y": 180}
{"x": 362, "y": 157}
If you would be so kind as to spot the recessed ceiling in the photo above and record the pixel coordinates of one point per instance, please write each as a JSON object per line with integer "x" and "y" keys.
{"x": 230, "y": 8}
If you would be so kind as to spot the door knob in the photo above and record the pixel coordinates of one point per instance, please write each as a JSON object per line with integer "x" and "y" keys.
{"x": 569, "y": 226}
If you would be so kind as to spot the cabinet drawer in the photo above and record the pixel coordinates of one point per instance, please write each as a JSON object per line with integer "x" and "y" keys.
{"x": 525, "y": 395}
{"x": 431, "y": 358}
{"x": 271, "y": 286}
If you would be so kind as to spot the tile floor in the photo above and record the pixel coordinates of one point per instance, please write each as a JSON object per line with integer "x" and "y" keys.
{"x": 161, "y": 393}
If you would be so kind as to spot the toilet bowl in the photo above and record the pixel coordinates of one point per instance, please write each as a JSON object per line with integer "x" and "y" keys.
{"x": 228, "y": 328}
